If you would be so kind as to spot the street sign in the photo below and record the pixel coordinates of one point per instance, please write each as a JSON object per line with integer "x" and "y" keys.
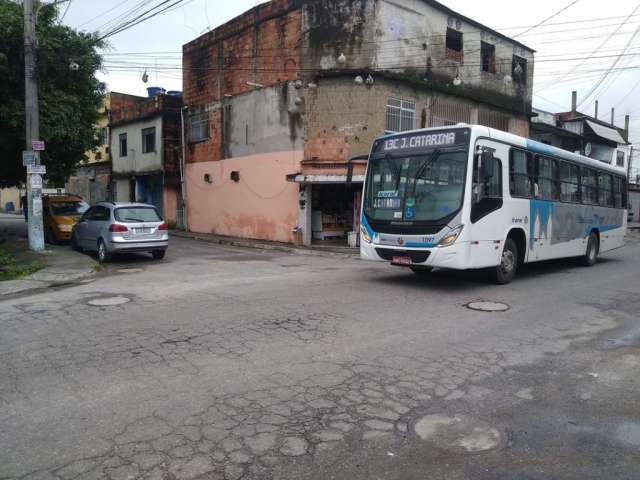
{"x": 38, "y": 145}
{"x": 36, "y": 169}
{"x": 36, "y": 181}
{"x": 37, "y": 205}
{"x": 29, "y": 158}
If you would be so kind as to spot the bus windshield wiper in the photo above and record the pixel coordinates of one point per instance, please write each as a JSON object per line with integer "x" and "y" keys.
{"x": 431, "y": 160}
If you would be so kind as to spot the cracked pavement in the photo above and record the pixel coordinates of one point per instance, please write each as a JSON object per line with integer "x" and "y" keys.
{"x": 224, "y": 363}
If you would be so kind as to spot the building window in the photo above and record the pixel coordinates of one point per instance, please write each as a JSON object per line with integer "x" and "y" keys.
{"x": 401, "y": 115}
{"x": 123, "y": 144}
{"x": 148, "y": 140}
{"x": 454, "y": 45}
{"x": 488, "y": 55}
{"x": 199, "y": 127}
{"x": 519, "y": 70}
{"x": 104, "y": 136}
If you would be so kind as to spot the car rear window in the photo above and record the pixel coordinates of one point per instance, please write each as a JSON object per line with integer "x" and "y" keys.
{"x": 137, "y": 215}
{"x": 68, "y": 208}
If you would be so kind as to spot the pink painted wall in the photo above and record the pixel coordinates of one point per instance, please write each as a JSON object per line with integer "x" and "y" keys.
{"x": 262, "y": 205}
{"x": 170, "y": 204}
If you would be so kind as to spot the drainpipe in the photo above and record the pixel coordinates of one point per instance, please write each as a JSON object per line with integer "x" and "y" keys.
{"x": 183, "y": 185}
{"x": 596, "y": 117}
{"x": 627, "y": 120}
{"x": 574, "y": 102}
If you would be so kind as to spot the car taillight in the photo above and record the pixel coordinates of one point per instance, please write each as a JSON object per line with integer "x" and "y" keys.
{"x": 163, "y": 226}
{"x": 115, "y": 228}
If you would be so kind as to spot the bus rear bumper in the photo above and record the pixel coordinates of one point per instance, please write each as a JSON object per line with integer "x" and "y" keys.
{"x": 455, "y": 257}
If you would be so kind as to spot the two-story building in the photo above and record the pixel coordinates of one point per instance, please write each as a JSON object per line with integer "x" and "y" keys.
{"x": 146, "y": 150}
{"x": 92, "y": 179}
{"x": 582, "y": 133}
{"x": 285, "y": 101}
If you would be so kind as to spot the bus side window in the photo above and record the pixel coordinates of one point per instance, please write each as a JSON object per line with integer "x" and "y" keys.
{"x": 487, "y": 195}
{"x": 520, "y": 173}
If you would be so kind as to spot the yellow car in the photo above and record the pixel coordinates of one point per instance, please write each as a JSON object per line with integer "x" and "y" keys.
{"x": 59, "y": 214}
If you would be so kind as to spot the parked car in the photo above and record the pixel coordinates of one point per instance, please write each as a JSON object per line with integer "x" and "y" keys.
{"x": 59, "y": 214}
{"x": 109, "y": 228}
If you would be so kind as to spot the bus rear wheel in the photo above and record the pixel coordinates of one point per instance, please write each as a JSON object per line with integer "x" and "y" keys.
{"x": 593, "y": 246}
{"x": 506, "y": 271}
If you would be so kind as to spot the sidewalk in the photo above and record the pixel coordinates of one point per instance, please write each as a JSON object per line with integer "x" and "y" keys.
{"x": 63, "y": 266}
{"x": 268, "y": 245}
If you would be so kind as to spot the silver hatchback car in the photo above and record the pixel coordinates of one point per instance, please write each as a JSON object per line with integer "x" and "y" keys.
{"x": 109, "y": 228}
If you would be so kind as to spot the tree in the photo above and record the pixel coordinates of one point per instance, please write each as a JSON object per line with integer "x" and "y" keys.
{"x": 69, "y": 98}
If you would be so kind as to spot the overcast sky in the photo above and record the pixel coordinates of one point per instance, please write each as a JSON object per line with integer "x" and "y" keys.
{"x": 556, "y": 77}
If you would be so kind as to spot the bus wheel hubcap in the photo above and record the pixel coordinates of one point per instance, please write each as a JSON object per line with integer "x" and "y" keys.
{"x": 508, "y": 261}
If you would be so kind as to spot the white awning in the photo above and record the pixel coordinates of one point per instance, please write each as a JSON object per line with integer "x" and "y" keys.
{"x": 606, "y": 132}
{"x": 325, "y": 179}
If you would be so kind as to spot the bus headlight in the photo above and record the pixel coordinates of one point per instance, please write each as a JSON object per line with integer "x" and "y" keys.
{"x": 451, "y": 237}
{"x": 364, "y": 234}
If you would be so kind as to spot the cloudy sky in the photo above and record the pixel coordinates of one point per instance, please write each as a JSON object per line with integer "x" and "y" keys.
{"x": 575, "y": 49}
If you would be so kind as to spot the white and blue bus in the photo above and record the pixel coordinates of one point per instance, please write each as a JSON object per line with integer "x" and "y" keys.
{"x": 471, "y": 197}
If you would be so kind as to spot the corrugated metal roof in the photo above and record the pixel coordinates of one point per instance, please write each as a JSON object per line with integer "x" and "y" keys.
{"x": 606, "y": 132}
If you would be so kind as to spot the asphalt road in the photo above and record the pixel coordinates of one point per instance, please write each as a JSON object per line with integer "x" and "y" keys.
{"x": 229, "y": 363}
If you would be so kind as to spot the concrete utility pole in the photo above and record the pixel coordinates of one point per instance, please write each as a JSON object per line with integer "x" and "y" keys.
{"x": 32, "y": 121}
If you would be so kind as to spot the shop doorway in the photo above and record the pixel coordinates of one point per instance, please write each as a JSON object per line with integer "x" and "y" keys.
{"x": 335, "y": 217}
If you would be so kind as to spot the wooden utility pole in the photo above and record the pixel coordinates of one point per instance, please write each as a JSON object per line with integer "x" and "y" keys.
{"x": 32, "y": 122}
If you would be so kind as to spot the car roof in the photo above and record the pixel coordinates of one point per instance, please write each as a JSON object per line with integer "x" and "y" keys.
{"x": 63, "y": 198}
{"x": 124, "y": 204}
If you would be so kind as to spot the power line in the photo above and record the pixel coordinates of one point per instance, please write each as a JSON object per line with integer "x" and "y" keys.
{"x": 571, "y": 4}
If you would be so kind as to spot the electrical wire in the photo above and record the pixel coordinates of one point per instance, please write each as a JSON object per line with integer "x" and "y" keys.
{"x": 571, "y": 4}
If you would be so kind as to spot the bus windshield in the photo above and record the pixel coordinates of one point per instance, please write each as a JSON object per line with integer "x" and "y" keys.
{"x": 417, "y": 188}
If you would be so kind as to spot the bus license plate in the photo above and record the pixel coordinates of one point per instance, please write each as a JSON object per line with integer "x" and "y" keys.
{"x": 401, "y": 261}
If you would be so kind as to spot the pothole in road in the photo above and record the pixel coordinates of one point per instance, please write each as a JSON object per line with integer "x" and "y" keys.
{"x": 488, "y": 306}
{"x": 459, "y": 433}
{"x": 109, "y": 301}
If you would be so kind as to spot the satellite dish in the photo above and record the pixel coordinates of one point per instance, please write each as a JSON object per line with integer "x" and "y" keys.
{"x": 588, "y": 149}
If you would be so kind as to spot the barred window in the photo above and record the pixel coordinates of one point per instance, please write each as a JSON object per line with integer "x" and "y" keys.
{"x": 199, "y": 127}
{"x": 401, "y": 115}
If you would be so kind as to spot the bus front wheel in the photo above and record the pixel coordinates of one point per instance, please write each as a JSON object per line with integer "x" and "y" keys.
{"x": 593, "y": 246}
{"x": 506, "y": 271}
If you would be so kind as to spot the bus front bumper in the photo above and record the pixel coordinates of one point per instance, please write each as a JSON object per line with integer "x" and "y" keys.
{"x": 455, "y": 256}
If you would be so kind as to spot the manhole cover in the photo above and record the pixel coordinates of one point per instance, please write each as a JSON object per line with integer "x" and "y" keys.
{"x": 459, "y": 433}
{"x": 109, "y": 301}
{"x": 130, "y": 270}
{"x": 488, "y": 306}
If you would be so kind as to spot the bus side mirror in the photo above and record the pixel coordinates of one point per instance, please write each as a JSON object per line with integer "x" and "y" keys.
{"x": 487, "y": 165}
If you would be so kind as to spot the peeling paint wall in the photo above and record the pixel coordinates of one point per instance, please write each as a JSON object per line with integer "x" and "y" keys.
{"x": 261, "y": 205}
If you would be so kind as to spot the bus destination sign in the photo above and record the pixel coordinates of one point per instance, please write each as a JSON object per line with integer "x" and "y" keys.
{"x": 423, "y": 140}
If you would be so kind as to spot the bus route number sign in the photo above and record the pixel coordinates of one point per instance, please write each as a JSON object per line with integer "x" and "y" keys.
{"x": 424, "y": 140}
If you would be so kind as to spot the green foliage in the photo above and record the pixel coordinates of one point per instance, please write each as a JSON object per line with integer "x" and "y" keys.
{"x": 69, "y": 100}
{"x": 12, "y": 270}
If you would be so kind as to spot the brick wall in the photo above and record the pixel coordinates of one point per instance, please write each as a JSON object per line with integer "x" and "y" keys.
{"x": 131, "y": 108}
{"x": 262, "y": 46}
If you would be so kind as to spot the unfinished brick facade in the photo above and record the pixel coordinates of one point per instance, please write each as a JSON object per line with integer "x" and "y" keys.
{"x": 311, "y": 80}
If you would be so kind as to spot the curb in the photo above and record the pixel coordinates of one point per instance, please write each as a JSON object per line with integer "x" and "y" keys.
{"x": 263, "y": 246}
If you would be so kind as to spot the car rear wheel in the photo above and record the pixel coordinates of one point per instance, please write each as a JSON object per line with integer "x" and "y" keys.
{"x": 103, "y": 254}
{"x": 158, "y": 254}
{"x": 506, "y": 271}
{"x": 74, "y": 243}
